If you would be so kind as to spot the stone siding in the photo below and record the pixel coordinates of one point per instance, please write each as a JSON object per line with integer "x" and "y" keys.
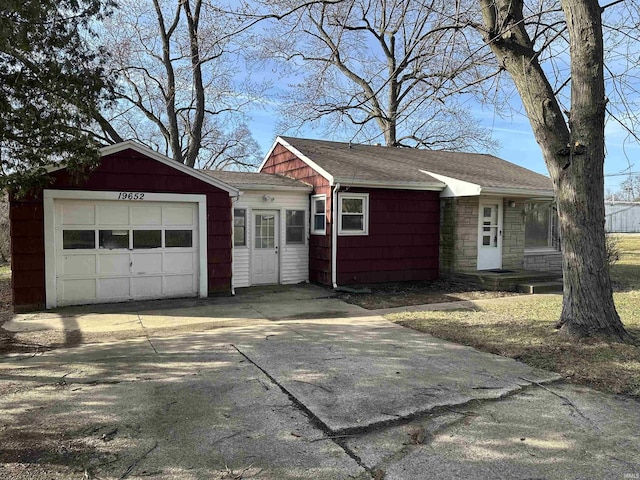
{"x": 513, "y": 234}
{"x": 459, "y": 234}
{"x": 550, "y": 261}
{"x": 459, "y": 238}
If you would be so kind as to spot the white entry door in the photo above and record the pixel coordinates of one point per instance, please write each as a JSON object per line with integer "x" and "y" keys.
{"x": 490, "y": 235}
{"x": 265, "y": 248}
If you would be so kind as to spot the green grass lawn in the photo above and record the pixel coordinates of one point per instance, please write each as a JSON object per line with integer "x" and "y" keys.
{"x": 523, "y": 328}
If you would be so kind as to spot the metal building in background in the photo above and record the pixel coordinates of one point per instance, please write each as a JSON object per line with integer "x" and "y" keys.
{"x": 622, "y": 217}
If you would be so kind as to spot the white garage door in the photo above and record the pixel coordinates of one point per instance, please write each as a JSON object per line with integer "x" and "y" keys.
{"x": 110, "y": 251}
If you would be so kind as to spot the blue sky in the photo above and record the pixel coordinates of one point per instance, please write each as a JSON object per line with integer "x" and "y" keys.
{"x": 513, "y": 133}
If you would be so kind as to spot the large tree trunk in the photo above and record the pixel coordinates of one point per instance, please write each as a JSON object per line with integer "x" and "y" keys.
{"x": 573, "y": 152}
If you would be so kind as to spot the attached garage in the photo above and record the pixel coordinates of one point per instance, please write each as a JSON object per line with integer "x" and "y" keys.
{"x": 140, "y": 226}
{"x": 104, "y": 250}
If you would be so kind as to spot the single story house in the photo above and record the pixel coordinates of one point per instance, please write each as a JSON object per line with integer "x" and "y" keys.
{"x": 408, "y": 214}
{"x": 142, "y": 226}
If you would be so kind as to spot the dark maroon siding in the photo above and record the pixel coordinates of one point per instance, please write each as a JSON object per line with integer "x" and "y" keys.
{"x": 403, "y": 239}
{"x": 123, "y": 171}
{"x": 283, "y": 162}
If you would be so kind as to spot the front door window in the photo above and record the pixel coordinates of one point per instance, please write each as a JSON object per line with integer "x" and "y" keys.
{"x": 265, "y": 231}
{"x": 490, "y": 226}
{"x": 490, "y": 235}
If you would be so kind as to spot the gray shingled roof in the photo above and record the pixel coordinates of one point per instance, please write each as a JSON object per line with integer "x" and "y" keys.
{"x": 256, "y": 180}
{"x": 373, "y": 163}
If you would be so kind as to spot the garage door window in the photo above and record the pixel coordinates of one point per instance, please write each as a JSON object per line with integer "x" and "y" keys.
{"x": 113, "y": 239}
{"x": 178, "y": 238}
{"x": 78, "y": 239}
{"x": 147, "y": 238}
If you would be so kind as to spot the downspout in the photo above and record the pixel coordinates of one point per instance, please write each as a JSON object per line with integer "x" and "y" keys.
{"x": 233, "y": 201}
{"x": 334, "y": 236}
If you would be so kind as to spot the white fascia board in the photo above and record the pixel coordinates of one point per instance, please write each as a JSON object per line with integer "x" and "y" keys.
{"x": 519, "y": 192}
{"x": 147, "y": 152}
{"x": 266, "y": 157}
{"x": 455, "y": 187}
{"x": 345, "y": 182}
{"x": 118, "y": 147}
{"x": 301, "y": 156}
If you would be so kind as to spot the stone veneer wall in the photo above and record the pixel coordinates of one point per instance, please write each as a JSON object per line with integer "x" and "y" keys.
{"x": 513, "y": 235}
{"x": 459, "y": 234}
{"x": 459, "y": 238}
{"x": 550, "y": 261}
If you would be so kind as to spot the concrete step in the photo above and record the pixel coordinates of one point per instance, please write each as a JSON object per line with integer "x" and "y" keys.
{"x": 540, "y": 287}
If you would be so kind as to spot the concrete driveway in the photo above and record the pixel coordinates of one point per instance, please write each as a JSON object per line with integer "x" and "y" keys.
{"x": 290, "y": 383}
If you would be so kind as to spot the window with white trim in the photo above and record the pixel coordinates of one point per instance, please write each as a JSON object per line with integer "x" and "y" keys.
{"x": 295, "y": 227}
{"x": 318, "y": 214}
{"x": 239, "y": 227}
{"x": 540, "y": 226}
{"x": 353, "y": 213}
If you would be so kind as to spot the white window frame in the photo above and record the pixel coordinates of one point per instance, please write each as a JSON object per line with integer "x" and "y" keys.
{"x": 303, "y": 226}
{"x": 314, "y": 213}
{"x": 365, "y": 213}
{"x": 246, "y": 227}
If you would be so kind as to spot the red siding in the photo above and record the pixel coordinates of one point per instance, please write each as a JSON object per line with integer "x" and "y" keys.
{"x": 283, "y": 162}
{"x": 403, "y": 239}
{"x": 123, "y": 171}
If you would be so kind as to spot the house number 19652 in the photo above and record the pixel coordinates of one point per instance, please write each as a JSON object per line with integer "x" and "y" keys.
{"x": 131, "y": 196}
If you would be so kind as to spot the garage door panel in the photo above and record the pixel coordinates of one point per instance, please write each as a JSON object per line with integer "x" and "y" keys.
{"x": 74, "y": 291}
{"x": 114, "y": 264}
{"x": 176, "y": 284}
{"x": 113, "y": 214}
{"x": 77, "y": 214}
{"x": 175, "y": 216}
{"x": 146, "y": 263}
{"x": 77, "y": 264}
{"x": 145, "y": 287}
{"x": 146, "y": 215}
{"x": 179, "y": 262}
{"x": 110, "y": 288}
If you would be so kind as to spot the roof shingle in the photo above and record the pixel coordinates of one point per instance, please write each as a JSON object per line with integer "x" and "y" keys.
{"x": 253, "y": 179}
{"x": 374, "y": 163}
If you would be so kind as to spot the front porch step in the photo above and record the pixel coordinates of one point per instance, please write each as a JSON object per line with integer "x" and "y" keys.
{"x": 540, "y": 287}
{"x": 506, "y": 280}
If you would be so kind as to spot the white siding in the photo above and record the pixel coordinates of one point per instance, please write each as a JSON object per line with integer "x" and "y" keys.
{"x": 294, "y": 259}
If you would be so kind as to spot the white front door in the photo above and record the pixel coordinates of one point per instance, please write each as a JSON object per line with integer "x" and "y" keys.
{"x": 265, "y": 248}
{"x": 490, "y": 235}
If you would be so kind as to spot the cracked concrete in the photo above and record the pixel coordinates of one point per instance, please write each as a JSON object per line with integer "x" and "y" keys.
{"x": 335, "y": 393}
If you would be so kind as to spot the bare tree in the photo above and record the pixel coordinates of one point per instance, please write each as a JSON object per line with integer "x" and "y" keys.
{"x": 571, "y": 138}
{"x": 385, "y": 66}
{"x": 177, "y": 63}
{"x": 630, "y": 189}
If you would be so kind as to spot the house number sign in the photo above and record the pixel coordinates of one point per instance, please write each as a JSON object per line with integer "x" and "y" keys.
{"x": 130, "y": 196}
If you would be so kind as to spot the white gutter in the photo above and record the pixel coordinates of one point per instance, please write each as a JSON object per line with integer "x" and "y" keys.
{"x": 334, "y": 236}
{"x": 233, "y": 201}
{"x": 422, "y": 186}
